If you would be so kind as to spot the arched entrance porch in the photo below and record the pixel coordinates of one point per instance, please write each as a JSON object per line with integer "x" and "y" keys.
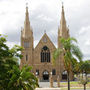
{"x": 45, "y": 75}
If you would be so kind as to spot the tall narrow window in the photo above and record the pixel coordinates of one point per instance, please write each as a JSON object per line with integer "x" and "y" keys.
{"x": 37, "y": 71}
{"x": 45, "y": 54}
{"x": 64, "y": 75}
{"x": 26, "y": 57}
{"x": 53, "y": 72}
{"x": 26, "y": 44}
{"x": 41, "y": 56}
{"x": 49, "y": 57}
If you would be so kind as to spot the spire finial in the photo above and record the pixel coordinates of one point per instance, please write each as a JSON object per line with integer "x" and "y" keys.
{"x": 26, "y": 4}
{"x": 26, "y": 7}
{"x": 62, "y": 5}
{"x": 44, "y": 31}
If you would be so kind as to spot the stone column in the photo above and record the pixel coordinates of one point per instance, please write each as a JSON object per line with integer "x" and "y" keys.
{"x": 58, "y": 81}
{"x": 51, "y": 80}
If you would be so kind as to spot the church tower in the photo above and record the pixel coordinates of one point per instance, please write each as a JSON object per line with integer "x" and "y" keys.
{"x": 63, "y": 31}
{"x": 27, "y": 42}
{"x": 41, "y": 56}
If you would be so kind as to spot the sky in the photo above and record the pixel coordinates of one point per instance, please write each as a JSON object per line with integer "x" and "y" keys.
{"x": 45, "y": 15}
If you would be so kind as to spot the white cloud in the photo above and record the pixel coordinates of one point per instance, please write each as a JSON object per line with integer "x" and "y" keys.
{"x": 84, "y": 30}
{"x": 45, "y": 15}
{"x": 87, "y": 43}
{"x": 84, "y": 41}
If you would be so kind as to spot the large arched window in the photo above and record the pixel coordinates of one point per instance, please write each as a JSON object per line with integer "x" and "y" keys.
{"x": 45, "y": 54}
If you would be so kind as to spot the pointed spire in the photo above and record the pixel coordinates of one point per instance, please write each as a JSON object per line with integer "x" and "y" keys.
{"x": 62, "y": 23}
{"x": 63, "y": 31}
{"x": 27, "y": 23}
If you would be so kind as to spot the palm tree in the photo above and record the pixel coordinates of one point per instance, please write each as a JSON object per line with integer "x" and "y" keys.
{"x": 71, "y": 51}
{"x": 22, "y": 79}
{"x": 76, "y": 68}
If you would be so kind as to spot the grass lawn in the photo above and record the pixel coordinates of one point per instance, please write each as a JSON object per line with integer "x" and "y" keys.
{"x": 74, "y": 88}
{"x": 73, "y": 84}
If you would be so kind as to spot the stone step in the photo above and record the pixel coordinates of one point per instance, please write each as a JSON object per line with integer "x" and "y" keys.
{"x": 47, "y": 88}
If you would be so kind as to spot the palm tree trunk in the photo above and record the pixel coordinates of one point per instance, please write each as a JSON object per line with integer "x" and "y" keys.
{"x": 68, "y": 81}
{"x": 84, "y": 86}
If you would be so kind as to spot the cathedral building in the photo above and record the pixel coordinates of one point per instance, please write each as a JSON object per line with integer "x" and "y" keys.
{"x": 41, "y": 57}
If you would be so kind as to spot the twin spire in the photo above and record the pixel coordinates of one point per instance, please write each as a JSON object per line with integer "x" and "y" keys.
{"x": 63, "y": 21}
{"x": 27, "y": 27}
{"x": 27, "y": 22}
{"x": 62, "y": 28}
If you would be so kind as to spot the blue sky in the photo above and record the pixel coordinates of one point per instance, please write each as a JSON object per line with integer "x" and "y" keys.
{"x": 45, "y": 15}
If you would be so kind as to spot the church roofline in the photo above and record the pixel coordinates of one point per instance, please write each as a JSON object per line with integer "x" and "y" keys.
{"x": 45, "y": 34}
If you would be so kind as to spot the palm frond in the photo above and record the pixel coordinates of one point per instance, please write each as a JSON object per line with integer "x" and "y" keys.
{"x": 56, "y": 53}
{"x": 77, "y": 52}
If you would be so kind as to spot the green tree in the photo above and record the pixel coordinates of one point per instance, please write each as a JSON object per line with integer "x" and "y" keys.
{"x": 85, "y": 69}
{"x": 22, "y": 79}
{"x": 83, "y": 81}
{"x": 11, "y": 77}
{"x": 70, "y": 51}
{"x": 8, "y": 58}
{"x": 76, "y": 68}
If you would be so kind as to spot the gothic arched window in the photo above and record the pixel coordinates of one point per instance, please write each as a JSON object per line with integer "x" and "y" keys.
{"x": 45, "y": 54}
{"x": 26, "y": 57}
{"x": 53, "y": 72}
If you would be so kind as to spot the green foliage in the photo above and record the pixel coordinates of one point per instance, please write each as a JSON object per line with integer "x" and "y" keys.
{"x": 11, "y": 77}
{"x": 22, "y": 79}
{"x": 56, "y": 55}
{"x": 76, "y": 66}
{"x": 85, "y": 67}
{"x": 71, "y": 53}
{"x": 83, "y": 81}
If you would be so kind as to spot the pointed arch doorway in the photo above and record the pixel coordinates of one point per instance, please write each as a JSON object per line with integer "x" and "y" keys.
{"x": 45, "y": 75}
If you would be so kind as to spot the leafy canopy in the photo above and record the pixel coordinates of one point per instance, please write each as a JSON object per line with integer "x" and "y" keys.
{"x": 70, "y": 51}
{"x": 11, "y": 77}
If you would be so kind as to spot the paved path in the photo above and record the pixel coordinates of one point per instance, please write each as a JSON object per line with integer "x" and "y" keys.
{"x": 46, "y": 84}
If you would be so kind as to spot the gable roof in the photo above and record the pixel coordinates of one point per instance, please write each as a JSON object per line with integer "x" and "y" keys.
{"x": 42, "y": 40}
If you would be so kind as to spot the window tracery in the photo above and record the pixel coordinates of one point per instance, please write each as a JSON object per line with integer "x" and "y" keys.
{"x": 45, "y": 54}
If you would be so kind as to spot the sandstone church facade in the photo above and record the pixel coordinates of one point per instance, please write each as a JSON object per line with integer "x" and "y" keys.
{"x": 40, "y": 57}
